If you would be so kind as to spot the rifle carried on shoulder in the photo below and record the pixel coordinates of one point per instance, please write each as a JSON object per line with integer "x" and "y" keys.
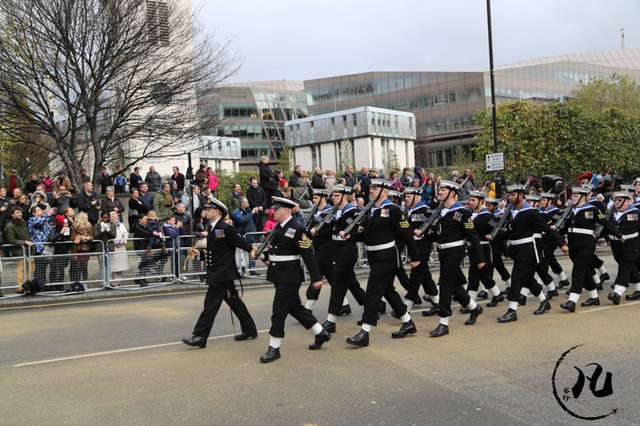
{"x": 264, "y": 243}
{"x": 599, "y": 228}
{"x": 503, "y": 219}
{"x": 360, "y": 217}
{"x": 432, "y": 218}
{"x": 309, "y": 218}
{"x": 327, "y": 219}
{"x": 565, "y": 214}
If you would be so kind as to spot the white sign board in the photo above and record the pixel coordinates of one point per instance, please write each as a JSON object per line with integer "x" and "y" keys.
{"x": 495, "y": 162}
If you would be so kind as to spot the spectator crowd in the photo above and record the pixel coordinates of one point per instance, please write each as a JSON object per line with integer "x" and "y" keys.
{"x": 48, "y": 210}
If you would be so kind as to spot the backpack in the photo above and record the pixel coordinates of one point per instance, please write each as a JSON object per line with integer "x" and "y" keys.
{"x": 32, "y": 287}
{"x": 75, "y": 287}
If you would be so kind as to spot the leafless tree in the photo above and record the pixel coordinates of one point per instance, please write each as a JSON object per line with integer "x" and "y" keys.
{"x": 103, "y": 78}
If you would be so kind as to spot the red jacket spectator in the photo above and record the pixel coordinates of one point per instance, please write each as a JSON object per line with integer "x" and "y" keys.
{"x": 13, "y": 183}
{"x": 271, "y": 223}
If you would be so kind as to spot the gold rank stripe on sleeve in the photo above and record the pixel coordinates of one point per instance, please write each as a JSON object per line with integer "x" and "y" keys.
{"x": 305, "y": 244}
{"x": 468, "y": 224}
{"x": 404, "y": 224}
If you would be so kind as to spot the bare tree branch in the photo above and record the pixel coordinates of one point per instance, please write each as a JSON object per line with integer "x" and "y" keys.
{"x": 102, "y": 77}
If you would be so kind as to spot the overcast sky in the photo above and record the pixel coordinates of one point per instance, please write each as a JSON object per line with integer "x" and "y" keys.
{"x": 298, "y": 40}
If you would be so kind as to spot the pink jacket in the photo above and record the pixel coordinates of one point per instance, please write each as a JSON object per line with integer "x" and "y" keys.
{"x": 213, "y": 182}
{"x": 271, "y": 223}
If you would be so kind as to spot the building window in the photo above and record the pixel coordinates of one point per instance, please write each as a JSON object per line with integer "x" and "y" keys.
{"x": 158, "y": 22}
{"x": 355, "y": 120}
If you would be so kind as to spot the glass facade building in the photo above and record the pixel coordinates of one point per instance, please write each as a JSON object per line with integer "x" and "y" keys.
{"x": 444, "y": 103}
{"x": 254, "y": 113}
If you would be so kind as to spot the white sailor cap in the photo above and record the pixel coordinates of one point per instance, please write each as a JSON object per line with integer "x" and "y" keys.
{"x": 622, "y": 194}
{"x": 214, "y": 203}
{"x": 412, "y": 190}
{"x": 491, "y": 200}
{"x": 450, "y": 185}
{"x": 532, "y": 197}
{"x": 580, "y": 190}
{"x": 321, "y": 192}
{"x": 342, "y": 189}
{"x": 382, "y": 183}
{"x": 282, "y": 202}
{"x": 549, "y": 195}
{"x": 477, "y": 194}
{"x": 394, "y": 193}
{"x": 515, "y": 188}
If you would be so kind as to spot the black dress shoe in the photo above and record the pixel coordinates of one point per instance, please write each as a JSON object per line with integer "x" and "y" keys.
{"x": 406, "y": 329}
{"x": 511, "y": 315}
{"x": 245, "y": 336}
{"x": 433, "y": 310}
{"x": 544, "y": 307}
{"x": 464, "y": 310}
{"x": 474, "y": 315}
{"x": 270, "y": 355}
{"x": 633, "y": 296}
{"x": 614, "y": 297}
{"x": 563, "y": 283}
{"x": 482, "y": 295}
{"x": 552, "y": 293}
{"x": 569, "y": 306}
{"x": 439, "y": 331}
{"x": 604, "y": 277}
{"x": 382, "y": 307}
{"x": 495, "y": 300}
{"x": 427, "y": 299}
{"x": 592, "y": 301}
{"x": 199, "y": 341}
{"x": 329, "y": 327}
{"x": 360, "y": 339}
{"x": 345, "y": 310}
{"x": 320, "y": 338}
{"x": 522, "y": 300}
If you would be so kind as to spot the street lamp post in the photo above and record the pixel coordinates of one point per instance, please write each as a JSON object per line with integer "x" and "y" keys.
{"x": 493, "y": 98}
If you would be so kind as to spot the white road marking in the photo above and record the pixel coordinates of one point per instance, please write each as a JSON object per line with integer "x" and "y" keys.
{"x": 116, "y": 351}
{"x": 622, "y": 305}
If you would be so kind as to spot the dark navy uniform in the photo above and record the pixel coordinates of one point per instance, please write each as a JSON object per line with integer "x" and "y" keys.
{"x": 626, "y": 253}
{"x": 420, "y": 275}
{"x": 222, "y": 241}
{"x": 482, "y": 222}
{"x": 597, "y": 263}
{"x": 452, "y": 229}
{"x": 498, "y": 247}
{"x": 344, "y": 254}
{"x": 382, "y": 228}
{"x": 290, "y": 244}
{"x": 550, "y": 215}
{"x": 322, "y": 249}
{"x": 580, "y": 226}
{"x": 523, "y": 223}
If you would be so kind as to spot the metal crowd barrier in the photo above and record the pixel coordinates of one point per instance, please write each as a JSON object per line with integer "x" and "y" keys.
{"x": 57, "y": 270}
{"x": 134, "y": 269}
{"x": 13, "y": 271}
{"x": 58, "y": 265}
{"x": 190, "y": 269}
{"x": 253, "y": 269}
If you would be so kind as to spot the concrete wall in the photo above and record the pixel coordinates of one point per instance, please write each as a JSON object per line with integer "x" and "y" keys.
{"x": 362, "y": 152}
{"x": 303, "y": 157}
{"x": 328, "y": 153}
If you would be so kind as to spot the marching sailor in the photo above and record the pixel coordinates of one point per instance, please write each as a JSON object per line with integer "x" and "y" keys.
{"x": 289, "y": 244}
